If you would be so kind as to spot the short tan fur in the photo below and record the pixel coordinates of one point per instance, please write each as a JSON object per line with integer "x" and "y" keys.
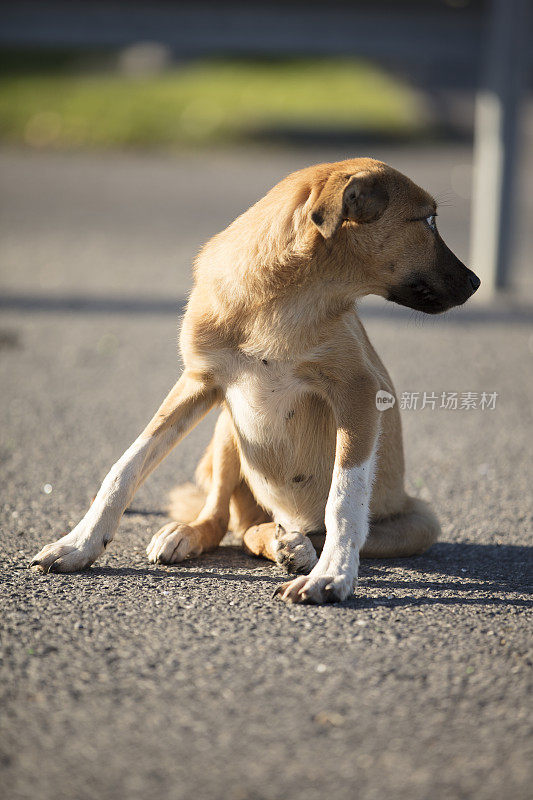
{"x": 272, "y": 336}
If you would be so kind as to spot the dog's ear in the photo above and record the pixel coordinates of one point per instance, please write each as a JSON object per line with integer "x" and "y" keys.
{"x": 361, "y": 198}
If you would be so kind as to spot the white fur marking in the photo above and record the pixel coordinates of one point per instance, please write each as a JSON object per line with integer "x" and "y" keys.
{"x": 347, "y": 521}
{"x": 99, "y": 524}
{"x": 260, "y": 399}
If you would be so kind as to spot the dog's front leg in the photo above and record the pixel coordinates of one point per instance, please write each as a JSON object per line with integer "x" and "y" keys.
{"x": 333, "y": 578}
{"x": 189, "y": 400}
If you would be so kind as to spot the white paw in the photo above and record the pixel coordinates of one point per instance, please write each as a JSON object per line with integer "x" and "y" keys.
{"x": 69, "y": 554}
{"x": 317, "y": 588}
{"x": 173, "y": 543}
{"x": 294, "y": 551}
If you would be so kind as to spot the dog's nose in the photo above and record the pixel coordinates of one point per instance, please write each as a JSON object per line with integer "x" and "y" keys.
{"x": 475, "y": 283}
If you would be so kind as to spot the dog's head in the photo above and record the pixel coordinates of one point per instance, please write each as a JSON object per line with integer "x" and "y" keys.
{"x": 387, "y": 225}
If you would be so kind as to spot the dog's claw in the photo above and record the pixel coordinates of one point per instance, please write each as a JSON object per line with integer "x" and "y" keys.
{"x": 38, "y": 566}
{"x": 316, "y": 589}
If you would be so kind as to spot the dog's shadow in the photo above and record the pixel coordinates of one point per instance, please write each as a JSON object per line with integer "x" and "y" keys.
{"x": 450, "y": 573}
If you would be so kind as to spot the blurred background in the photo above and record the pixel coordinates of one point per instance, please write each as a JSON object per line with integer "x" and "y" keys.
{"x": 157, "y": 122}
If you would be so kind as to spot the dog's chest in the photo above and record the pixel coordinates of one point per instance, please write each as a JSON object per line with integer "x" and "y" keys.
{"x": 261, "y": 397}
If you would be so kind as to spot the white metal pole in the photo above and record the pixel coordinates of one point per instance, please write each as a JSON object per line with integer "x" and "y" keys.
{"x": 496, "y": 142}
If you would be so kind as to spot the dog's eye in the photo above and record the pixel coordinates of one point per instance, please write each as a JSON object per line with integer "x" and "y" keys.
{"x": 431, "y": 222}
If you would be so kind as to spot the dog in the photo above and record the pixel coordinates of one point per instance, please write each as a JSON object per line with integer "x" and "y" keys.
{"x": 301, "y": 451}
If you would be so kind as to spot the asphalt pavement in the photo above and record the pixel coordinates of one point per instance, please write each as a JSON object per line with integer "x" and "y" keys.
{"x": 132, "y": 680}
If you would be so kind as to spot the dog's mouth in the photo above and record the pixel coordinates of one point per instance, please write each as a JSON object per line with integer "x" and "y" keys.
{"x": 419, "y": 295}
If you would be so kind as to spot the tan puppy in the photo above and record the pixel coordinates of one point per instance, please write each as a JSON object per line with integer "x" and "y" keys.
{"x": 271, "y": 333}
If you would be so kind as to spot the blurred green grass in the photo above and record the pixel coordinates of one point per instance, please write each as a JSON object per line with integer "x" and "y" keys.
{"x": 201, "y": 103}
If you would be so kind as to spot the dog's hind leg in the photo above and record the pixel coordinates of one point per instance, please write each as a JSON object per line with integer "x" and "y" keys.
{"x": 177, "y": 540}
{"x": 409, "y": 533}
{"x": 260, "y": 540}
{"x": 187, "y": 501}
{"x": 292, "y": 550}
{"x": 245, "y": 511}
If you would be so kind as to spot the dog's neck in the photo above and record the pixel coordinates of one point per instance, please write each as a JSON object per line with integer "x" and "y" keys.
{"x": 278, "y": 274}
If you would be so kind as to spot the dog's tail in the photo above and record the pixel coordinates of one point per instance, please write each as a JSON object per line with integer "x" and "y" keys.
{"x": 409, "y": 533}
{"x": 185, "y": 503}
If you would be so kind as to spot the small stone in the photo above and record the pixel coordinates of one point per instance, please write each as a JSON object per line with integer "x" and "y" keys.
{"x": 329, "y": 718}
